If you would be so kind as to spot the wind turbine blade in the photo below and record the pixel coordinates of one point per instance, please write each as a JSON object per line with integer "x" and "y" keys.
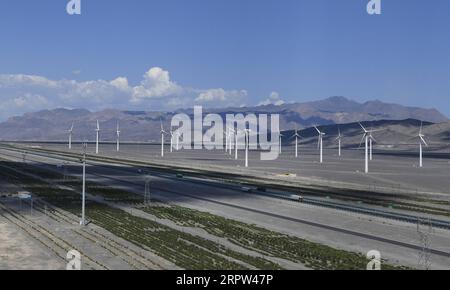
{"x": 373, "y": 139}
{"x": 423, "y": 140}
{"x": 421, "y": 125}
{"x": 362, "y": 139}
{"x": 317, "y": 129}
{"x": 362, "y": 127}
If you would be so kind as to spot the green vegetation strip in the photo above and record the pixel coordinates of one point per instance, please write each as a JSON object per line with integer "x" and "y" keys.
{"x": 312, "y": 255}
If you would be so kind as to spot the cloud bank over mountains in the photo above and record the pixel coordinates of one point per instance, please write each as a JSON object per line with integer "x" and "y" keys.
{"x": 21, "y": 93}
{"x": 273, "y": 99}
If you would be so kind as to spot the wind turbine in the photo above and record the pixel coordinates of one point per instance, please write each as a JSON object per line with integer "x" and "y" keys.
{"x": 118, "y": 137}
{"x": 339, "y": 139}
{"x": 297, "y": 136}
{"x": 162, "y": 139}
{"x": 421, "y": 141}
{"x": 370, "y": 139}
{"x": 97, "y": 131}
{"x": 70, "y": 136}
{"x": 368, "y": 142}
{"x": 320, "y": 142}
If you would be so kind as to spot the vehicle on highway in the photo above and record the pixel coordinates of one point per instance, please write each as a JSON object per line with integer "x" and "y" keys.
{"x": 246, "y": 189}
{"x": 296, "y": 197}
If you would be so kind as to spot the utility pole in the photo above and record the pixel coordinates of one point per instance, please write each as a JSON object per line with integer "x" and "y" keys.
{"x": 147, "y": 197}
{"x": 83, "y": 201}
{"x": 424, "y": 261}
{"x": 65, "y": 171}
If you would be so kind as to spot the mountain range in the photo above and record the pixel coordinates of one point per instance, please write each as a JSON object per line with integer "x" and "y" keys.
{"x": 144, "y": 126}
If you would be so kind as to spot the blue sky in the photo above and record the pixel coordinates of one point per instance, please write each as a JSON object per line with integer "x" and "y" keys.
{"x": 148, "y": 54}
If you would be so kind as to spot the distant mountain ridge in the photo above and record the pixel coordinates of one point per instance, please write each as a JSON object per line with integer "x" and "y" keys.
{"x": 52, "y": 125}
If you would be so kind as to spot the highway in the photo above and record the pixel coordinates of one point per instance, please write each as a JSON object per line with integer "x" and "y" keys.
{"x": 395, "y": 174}
{"x": 368, "y": 210}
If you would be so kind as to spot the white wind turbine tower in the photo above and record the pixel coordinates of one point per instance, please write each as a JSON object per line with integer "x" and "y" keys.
{"x": 371, "y": 140}
{"x": 320, "y": 142}
{"x": 171, "y": 141}
{"x": 225, "y": 133}
{"x": 235, "y": 144}
{"x": 118, "y": 137}
{"x": 247, "y": 141}
{"x": 178, "y": 140}
{"x": 297, "y": 136}
{"x": 421, "y": 141}
{"x": 368, "y": 139}
{"x": 97, "y": 131}
{"x": 279, "y": 145}
{"x": 162, "y": 139}
{"x": 230, "y": 134}
{"x": 339, "y": 139}
{"x": 70, "y": 136}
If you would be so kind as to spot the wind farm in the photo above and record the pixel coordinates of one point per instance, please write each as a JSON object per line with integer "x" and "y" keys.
{"x": 331, "y": 177}
{"x": 348, "y": 188}
{"x": 204, "y": 136}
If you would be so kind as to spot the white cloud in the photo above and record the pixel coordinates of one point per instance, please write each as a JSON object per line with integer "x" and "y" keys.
{"x": 23, "y": 93}
{"x": 274, "y": 99}
{"x": 219, "y": 96}
{"x": 156, "y": 84}
{"x": 121, "y": 83}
